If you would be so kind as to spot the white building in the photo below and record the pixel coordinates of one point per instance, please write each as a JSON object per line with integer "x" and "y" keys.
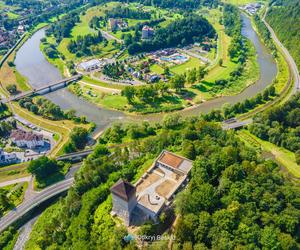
{"x": 27, "y": 139}
{"x": 147, "y": 32}
{"x": 90, "y": 65}
{"x": 7, "y": 158}
{"x": 155, "y": 190}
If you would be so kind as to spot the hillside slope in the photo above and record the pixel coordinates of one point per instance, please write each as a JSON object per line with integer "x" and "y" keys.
{"x": 284, "y": 17}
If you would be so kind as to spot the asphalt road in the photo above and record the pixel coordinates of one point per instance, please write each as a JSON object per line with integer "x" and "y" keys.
{"x": 40, "y": 197}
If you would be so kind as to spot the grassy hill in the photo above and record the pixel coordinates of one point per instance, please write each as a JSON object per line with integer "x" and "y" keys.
{"x": 284, "y": 17}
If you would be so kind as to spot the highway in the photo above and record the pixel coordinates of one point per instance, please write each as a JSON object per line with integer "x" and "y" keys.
{"x": 29, "y": 204}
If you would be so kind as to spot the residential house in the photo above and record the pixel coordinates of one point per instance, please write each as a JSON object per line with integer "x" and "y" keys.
{"x": 27, "y": 139}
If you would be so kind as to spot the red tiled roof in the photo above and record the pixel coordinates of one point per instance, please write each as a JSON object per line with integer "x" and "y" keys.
{"x": 24, "y": 135}
{"x": 170, "y": 159}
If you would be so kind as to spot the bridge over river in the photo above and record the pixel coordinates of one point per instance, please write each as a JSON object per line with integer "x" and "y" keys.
{"x": 44, "y": 89}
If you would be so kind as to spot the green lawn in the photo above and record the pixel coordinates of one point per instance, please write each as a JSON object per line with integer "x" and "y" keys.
{"x": 15, "y": 193}
{"x": 102, "y": 84}
{"x": 155, "y": 68}
{"x": 118, "y": 102}
{"x": 57, "y": 62}
{"x": 12, "y": 15}
{"x": 184, "y": 67}
{"x": 239, "y": 2}
{"x": 282, "y": 155}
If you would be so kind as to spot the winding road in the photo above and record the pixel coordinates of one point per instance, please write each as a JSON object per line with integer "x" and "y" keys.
{"x": 57, "y": 188}
{"x": 31, "y": 203}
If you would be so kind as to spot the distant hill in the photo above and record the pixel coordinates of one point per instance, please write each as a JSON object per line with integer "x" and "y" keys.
{"x": 284, "y": 17}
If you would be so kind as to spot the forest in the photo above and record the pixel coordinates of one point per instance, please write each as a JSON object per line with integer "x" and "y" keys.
{"x": 6, "y": 127}
{"x": 44, "y": 107}
{"x": 125, "y": 12}
{"x": 235, "y": 198}
{"x": 181, "y": 4}
{"x": 4, "y": 112}
{"x": 83, "y": 44}
{"x": 280, "y": 125}
{"x": 63, "y": 27}
{"x": 284, "y": 17}
{"x": 190, "y": 29}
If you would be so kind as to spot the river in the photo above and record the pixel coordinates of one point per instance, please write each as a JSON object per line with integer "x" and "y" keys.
{"x": 31, "y": 63}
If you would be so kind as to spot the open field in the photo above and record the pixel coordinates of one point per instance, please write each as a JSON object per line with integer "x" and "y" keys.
{"x": 13, "y": 172}
{"x": 238, "y": 2}
{"x": 189, "y": 65}
{"x": 157, "y": 69}
{"x": 9, "y": 75}
{"x": 282, "y": 155}
{"x": 118, "y": 102}
{"x": 102, "y": 84}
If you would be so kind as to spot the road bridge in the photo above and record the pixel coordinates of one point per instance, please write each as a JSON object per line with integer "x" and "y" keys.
{"x": 45, "y": 89}
{"x": 76, "y": 156}
{"x": 233, "y": 123}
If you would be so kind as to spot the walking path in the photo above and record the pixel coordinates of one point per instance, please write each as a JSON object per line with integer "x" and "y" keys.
{"x": 24, "y": 234}
{"x": 7, "y": 183}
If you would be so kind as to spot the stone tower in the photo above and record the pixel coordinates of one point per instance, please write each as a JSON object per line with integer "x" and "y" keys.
{"x": 124, "y": 200}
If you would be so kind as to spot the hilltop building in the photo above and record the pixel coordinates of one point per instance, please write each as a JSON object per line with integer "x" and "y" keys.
{"x": 27, "y": 139}
{"x": 154, "y": 191}
{"x": 147, "y": 32}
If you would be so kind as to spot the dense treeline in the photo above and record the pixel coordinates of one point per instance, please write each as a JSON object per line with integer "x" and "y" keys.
{"x": 4, "y": 112}
{"x": 125, "y": 12}
{"x": 280, "y": 125}
{"x": 181, "y": 4}
{"x": 229, "y": 111}
{"x": 78, "y": 140}
{"x": 231, "y": 20}
{"x": 82, "y": 45}
{"x": 265, "y": 34}
{"x": 233, "y": 27}
{"x": 234, "y": 200}
{"x": 190, "y": 29}
{"x": 63, "y": 27}
{"x": 284, "y": 18}
{"x": 7, "y": 237}
{"x": 44, "y": 107}
{"x": 6, "y": 127}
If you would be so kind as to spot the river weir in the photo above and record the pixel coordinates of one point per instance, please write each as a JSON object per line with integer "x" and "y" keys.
{"x": 31, "y": 63}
